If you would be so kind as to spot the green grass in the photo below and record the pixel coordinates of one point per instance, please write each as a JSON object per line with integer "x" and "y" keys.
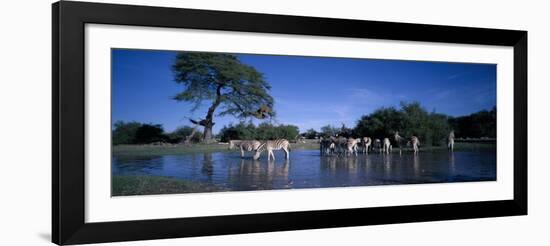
{"x": 152, "y": 150}
{"x": 457, "y": 147}
{"x": 151, "y": 185}
{"x": 179, "y": 149}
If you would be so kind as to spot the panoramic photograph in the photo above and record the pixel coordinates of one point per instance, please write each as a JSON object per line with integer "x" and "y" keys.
{"x": 196, "y": 122}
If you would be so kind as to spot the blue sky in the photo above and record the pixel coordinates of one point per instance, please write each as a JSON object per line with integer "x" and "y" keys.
{"x": 309, "y": 92}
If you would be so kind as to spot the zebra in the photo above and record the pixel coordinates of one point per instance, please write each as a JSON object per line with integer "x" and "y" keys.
{"x": 398, "y": 141}
{"x": 451, "y": 141}
{"x": 415, "y": 143}
{"x": 366, "y": 144}
{"x": 272, "y": 145}
{"x": 245, "y": 145}
{"x": 387, "y": 145}
{"x": 377, "y": 145}
{"x": 332, "y": 146}
{"x": 327, "y": 145}
{"x": 341, "y": 144}
{"x": 351, "y": 146}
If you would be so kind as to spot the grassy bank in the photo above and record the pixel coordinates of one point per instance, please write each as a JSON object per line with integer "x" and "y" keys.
{"x": 152, "y": 185}
{"x": 457, "y": 147}
{"x": 149, "y": 150}
{"x": 177, "y": 149}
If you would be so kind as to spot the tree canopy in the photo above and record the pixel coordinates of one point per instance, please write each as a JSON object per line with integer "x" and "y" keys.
{"x": 410, "y": 120}
{"x": 264, "y": 131}
{"x": 238, "y": 89}
{"x": 137, "y": 133}
{"x": 476, "y": 125}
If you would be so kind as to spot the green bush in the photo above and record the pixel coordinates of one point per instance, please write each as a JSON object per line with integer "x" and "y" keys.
{"x": 139, "y": 133}
{"x": 125, "y": 133}
{"x": 264, "y": 131}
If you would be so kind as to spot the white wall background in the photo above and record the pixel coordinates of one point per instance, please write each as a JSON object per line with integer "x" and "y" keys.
{"x": 25, "y": 103}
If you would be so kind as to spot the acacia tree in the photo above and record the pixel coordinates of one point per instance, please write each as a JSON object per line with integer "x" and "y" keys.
{"x": 224, "y": 81}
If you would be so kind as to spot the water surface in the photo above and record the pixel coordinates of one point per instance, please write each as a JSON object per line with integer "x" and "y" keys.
{"x": 307, "y": 169}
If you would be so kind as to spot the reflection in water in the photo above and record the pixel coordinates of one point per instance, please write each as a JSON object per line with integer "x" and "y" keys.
{"x": 387, "y": 166}
{"x": 207, "y": 165}
{"x": 452, "y": 162}
{"x": 416, "y": 165}
{"x": 306, "y": 169}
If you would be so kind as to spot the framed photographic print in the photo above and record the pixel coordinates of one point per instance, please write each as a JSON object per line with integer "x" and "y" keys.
{"x": 176, "y": 122}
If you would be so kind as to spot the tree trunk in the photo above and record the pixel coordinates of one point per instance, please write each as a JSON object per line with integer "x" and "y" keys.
{"x": 208, "y": 135}
{"x": 208, "y": 122}
{"x": 187, "y": 140}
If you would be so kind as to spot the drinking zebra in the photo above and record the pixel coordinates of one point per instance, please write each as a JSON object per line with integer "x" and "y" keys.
{"x": 245, "y": 145}
{"x": 398, "y": 141}
{"x": 327, "y": 145}
{"x": 451, "y": 141}
{"x": 351, "y": 146}
{"x": 341, "y": 145}
{"x": 272, "y": 145}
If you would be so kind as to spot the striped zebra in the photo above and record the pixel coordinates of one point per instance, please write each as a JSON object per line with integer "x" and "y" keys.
{"x": 415, "y": 143}
{"x": 272, "y": 145}
{"x": 332, "y": 145}
{"x": 351, "y": 146}
{"x": 245, "y": 145}
{"x": 377, "y": 145}
{"x": 451, "y": 141}
{"x": 387, "y": 145}
{"x": 366, "y": 142}
{"x": 341, "y": 145}
{"x": 324, "y": 145}
{"x": 398, "y": 141}
{"x": 328, "y": 145}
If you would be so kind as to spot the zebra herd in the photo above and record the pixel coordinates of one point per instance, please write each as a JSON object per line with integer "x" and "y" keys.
{"x": 342, "y": 146}
{"x": 335, "y": 145}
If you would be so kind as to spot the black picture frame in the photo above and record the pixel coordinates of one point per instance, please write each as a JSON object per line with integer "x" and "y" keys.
{"x": 68, "y": 122}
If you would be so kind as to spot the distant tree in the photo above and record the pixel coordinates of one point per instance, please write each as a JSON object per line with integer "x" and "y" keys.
{"x": 381, "y": 123}
{"x": 181, "y": 133}
{"x": 345, "y": 131}
{"x": 410, "y": 120}
{"x": 149, "y": 133}
{"x": 125, "y": 133}
{"x": 239, "y": 89}
{"x": 264, "y": 131}
{"x": 476, "y": 125}
{"x": 329, "y": 130}
{"x": 439, "y": 128}
{"x": 288, "y": 132}
{"x": 240, "y": 131}
{"x": 310, "y": 134}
